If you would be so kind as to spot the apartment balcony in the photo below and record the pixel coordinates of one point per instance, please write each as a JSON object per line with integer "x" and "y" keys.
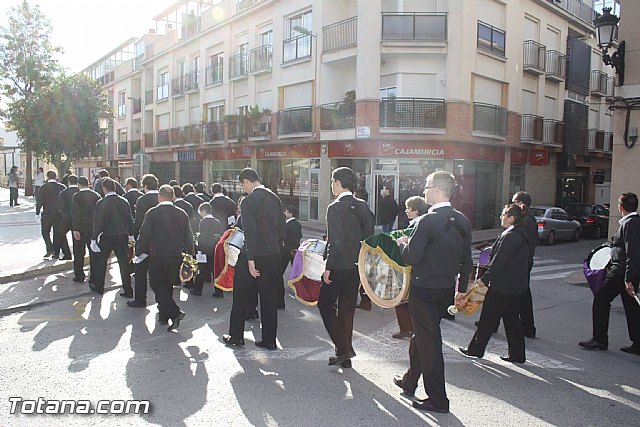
{"x": 596, "y": 140}
{"x": 298, "y": 47}
{"x": 295, "y": 120}
{"x": 553, "y": 131}
{"x": 137, "y": 105}
{"x": 339, "y": 115}
{"x": 579, "y": 9}
{"x": 532, "y": 129}
{"x": 136, "y": 146}
{"x": 214, "y": 74}
{"x": 177, "y": 86}
{"x": 601, "y": 84}
{"x": 161, "y": 138}
{"x": 122, "y": 111}
{"x": 414, "y": 27}
{"x": 534, "y": 57}
{"x": 608, "y": 142}
{"x": 238, "y": 66}
{"x": 148, "y": 139}
{"x": 258, "y": 128}
{"x": 148, "y": 97}
{"x": 489, "y": 119}
{"x": 192, "y": 81}
{"x": 162, "y": 92}
{"x": 242, "y": 5}
{"x": 122, "y": 148}
{"x": 261, "y": 59}
{"x": 186, "y": 135}
{"x": 421, "y": 113}
{"x": 554, "y": 66}
{"x": 213, "y": 131}
{"x": 341, "y": 35}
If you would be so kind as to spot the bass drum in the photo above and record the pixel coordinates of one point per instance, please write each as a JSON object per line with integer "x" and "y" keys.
{"x": 233, "y": 246}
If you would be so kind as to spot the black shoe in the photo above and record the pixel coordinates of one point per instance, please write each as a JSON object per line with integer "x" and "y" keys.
{"x": 95, "y": 289}
{"x": 366, "y": 306}
{"x": 137, "y": 304}
{"x": 196, "y": 293}
{"x": 405, "y": 390}
{"x": 127, "y": 294}
{"x": 346, "y": 364}
{"x": 16, "y": 204}
{"x": 78, "y": 280}
{"x": 65, "y": 258}
{"x": 218, "y": 294}
{"x": 593, "y": 345}
{"x": 511, "y": 359}
{"x": 465, "y": 352}
{"x": 338, "y": 360}
{"x": 175, "y": 322}
{"x": 402, "y": 335}
{"x": 48, "y": 255}
{"x": 232, "y": 342}
{"x": 263, "y": 344}
{"x": 631, "y": 349}
{"x": 426, "y": 405}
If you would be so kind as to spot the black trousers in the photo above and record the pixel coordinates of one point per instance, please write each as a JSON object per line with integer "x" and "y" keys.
{"x": 48, "y": 223}
{"x": 427, "y": 307}
{"x": 266, "y": 285}
{"x": 612, "y": 287}
{"x": 140, "y": 271}
{"x": 205, "y": 272}
{"x": 404, "y": 317}
{"x": 119, "y": 245}
{"x": 498, "y": 306}
{"x": 78, "y": 256}
{"x": 60, "y": 233}
{"x": 526, "y": 308}
{"x": 285, "y": 259}
{"x": 162, "y": 274}
{"x": 337, "y": 305}
{"x": 13, "y": 196}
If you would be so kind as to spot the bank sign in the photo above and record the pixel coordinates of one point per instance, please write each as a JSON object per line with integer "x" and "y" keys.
{"x": 391, "y": 149}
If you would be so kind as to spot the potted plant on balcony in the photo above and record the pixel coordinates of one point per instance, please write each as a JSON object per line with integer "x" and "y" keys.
{"x": 233, "y": 128}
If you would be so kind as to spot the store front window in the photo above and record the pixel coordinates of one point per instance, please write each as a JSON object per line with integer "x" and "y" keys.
{"x": 516, "y": 180}
{"x": 413, "y": 173}
{"x": 362, "y": 169}
{"x": 480, "y": 193}
{"x": 226, "y": 173}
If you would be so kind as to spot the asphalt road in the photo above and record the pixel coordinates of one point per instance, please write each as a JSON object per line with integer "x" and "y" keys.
{"x": 97, "y": 348}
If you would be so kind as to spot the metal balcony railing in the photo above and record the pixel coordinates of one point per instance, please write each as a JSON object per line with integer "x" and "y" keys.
{"x": 339, "y": 115}
{"x": 296, "y": 48}
{"x": 177, "y": 86}
{"x": 122, "y": 148}
{"x": 555, "y": 65}
{"x": 596, "y": 140}
{"x": 242, "y": 5}
{"x": 295, "y": 120}
{"x": 238, "y": 66}
{"x": 488, "y": 118}
{"x": 577, "y": 8}
{"x": 213, "y": 131}
{"x": 214, "y": 74}
{"x": 261, "y": 58}
{"x": 258, "y": 127}
{"x": 425, "y": 113}
{"x": 192, "y": 81}
{"x": 189, "y": 134}
{"x": 431, "y": 27}
{"x": 552, "y": 132}
{"x": 340, "y": 35}
{"x": 162, "y": 91}
{"x": 601, "y": 83}
{"x": 534, "y": 56}
{"x": 608, "y": 142}
{"x": 532, "y": 129}
{"x": 148, "y": 97}
{"x": 162, "y": 138}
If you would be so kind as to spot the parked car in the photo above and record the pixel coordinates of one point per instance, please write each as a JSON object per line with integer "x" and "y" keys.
{"x": 554, "y": 223}
{"x": 593, "y": 219}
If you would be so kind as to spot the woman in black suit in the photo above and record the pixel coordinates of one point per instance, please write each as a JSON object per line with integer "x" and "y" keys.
{"x": 507, "y": 278}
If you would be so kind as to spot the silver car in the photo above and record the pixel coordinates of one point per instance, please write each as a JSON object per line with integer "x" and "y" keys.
{"x": 555, "y": 223}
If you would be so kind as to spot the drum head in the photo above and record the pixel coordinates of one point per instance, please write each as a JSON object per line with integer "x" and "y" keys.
{"x": 599, "y": 258}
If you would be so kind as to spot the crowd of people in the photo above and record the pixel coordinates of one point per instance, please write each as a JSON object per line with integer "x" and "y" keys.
{"x": 159, "y": 223}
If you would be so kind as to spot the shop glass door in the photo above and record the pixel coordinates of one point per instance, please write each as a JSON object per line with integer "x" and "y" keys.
{"x": 309, "y": 173}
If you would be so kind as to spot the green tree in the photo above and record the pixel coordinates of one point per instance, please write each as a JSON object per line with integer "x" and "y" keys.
{"x": 64, "y": 119}
{"x": 27, "y": 64}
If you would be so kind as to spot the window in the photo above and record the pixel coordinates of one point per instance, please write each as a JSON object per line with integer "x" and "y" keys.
{"x": 297, "y": 45}
{"x": 243, "y": 110}
{"x": 122, "y": 141}
{"x": 215, "y": 113}
{"x": 214, "y": 68}
{"x": 301, "y": 20}
{"x": 122, "y": 104}
{"x": 388, "y": 92}
{"x": 266, "y": 38}
{"x": 491, "y": 39}
{"x": 195, "y": 70}
{"x": 163, "y": 87}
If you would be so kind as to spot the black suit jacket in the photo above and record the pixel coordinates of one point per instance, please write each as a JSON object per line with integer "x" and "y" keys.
{"x": 97, "y": 187}
{"x": 83, "y": 207}
{"x": 112, "y": 217}
{"x": 210, "y": 231}
{"x": 530, "y": 225}
{"x": 263, "y": 223}
{"x": 204, "y": 196}
{"x": 349, "y": 221}
{"x": 625, "y": 250}
{"x": 293, "y": 235}
{"x": 144, "y": 203}
{"x": 195, "y": 201}
{"x": 47, "y": 199}
{"x": 508, "y": 269}
{"x": 387, "y": 210}
{"x": 185, "y": 206}
{"x": 165, "y": 232}
{"x": 132, "y": 197}
{"x": 64, "y": 202}
{"x": 223, "y": 207}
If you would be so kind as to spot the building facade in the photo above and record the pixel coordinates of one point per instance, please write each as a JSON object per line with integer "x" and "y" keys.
{"x": 507, "y": 95}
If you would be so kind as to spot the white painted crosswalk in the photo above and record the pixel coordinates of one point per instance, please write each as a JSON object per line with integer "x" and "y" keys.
{"x": 545, "y": 269}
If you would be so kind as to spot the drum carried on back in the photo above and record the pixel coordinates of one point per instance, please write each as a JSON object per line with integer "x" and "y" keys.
{"x": 225, "y": 258}
{"x": 595, "y": 267}
{"x": 306, "y": 271}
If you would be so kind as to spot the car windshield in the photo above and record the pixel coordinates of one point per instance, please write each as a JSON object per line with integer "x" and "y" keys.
{"x": 579, "y": 209}
{"x": 537, "y": 211}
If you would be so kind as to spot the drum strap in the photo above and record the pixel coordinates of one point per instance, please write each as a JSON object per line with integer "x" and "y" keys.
{"x": 452, "y": 222}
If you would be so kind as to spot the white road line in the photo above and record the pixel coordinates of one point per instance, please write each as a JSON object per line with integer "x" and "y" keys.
{"x": 553, "y": 276}
{"x": 535, "y": 270}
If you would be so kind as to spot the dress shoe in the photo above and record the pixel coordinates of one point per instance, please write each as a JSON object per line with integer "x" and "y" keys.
{"x": 137, "y": 304}
{"x": 126, "y": 294}
{"x": 338, "y": 360}
{"x": 511, "y": 359}
{"x": 65, "y": 258}
{"x": 95, "y": 289}
{"x": 593, "y": 345}
{"x": 232, "y": 342}
{"x": 175, "y": 321}
{"x": 426, "y": 405}
{"x": 263, "y": 344}
{"x": 346, "y": 364}
{"x": 219, "y": 294}
{"x": 402, "y": 335}
{"x": 631, "y": 349}
{"x": 364, "y": 306}
{"x": 195, "y": 292}
{"x": 405, "y": 390}
{"x": 465, "y": 352}
{"x": 78, "y": 280}
{"x": 48, "y": 255}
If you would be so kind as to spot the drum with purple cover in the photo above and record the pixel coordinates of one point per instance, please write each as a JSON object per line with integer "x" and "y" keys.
{"x": 306, "y": 271}
{"x": 595, "y": 266}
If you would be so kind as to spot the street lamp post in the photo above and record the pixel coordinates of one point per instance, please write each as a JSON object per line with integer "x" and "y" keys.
{"x": 316, "y": 86}
{"x": 606, "y": 25}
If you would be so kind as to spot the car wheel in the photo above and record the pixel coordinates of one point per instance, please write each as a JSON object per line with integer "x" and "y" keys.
{"x": 598, "y": 233}
{"x": 576, "y": 235}
{"x": 551, "y": 238}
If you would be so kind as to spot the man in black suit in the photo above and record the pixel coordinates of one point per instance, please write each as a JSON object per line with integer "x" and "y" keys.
{"x": 97, "y": 184}
{"x": 623, "y": 276}
{"x": 113, "y": 225}
{"x": 292, "y": 237}
{"x": 145, "y": 202}
{"x": 64, "y": 207}
{"x": 349, "y": 221}
{"x": 83, "y": 207}
{"x": 209, "y": 231}
{"x": 223, "y": 207}
{"x": 439, "y": 250}
{"x": 180, "y": 202}
{"x": 200, "y": 189}
{"x": 164, "y": 235}
{"x": 258, "y": 266}
{"x": 47, "y": 200}
{"x": 191, "y": 197}
{"x": 387, "y": 210}
{"x": 132, "y": 194}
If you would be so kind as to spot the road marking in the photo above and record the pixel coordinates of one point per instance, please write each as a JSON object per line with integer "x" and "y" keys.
{"x": 535, "y": 270}
{"x": 553, "y": 276}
